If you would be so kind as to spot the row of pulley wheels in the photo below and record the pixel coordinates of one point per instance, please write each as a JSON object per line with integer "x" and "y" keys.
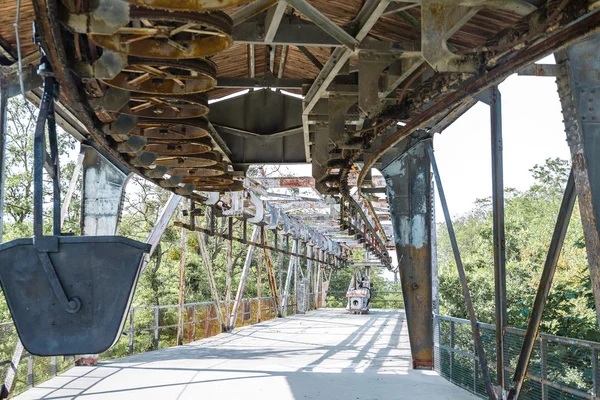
{"x": 167, "y": 44}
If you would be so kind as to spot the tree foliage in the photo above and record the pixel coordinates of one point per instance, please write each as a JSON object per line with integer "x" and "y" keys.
{"x": 529, "y": 221}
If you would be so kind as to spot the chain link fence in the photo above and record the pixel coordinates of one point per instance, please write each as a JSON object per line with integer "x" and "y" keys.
{"x": 559, "y": 369}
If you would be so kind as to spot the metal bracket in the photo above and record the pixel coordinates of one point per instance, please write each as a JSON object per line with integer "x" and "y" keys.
{"x": 370, "y": 67}
{"x": 260, "y": 209}
{"x": 438, "y": 20}
{"x": 107, "y": 18}
{"x": 108, "y": 66}
{"x": 338, "y": 105}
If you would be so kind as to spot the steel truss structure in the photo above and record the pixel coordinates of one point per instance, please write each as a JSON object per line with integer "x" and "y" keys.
{"x": 137, "y": 90}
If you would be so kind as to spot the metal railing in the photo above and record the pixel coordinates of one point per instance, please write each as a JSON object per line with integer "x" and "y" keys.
{"x": 148, "y": 328}
{"x": 560, "y": 368}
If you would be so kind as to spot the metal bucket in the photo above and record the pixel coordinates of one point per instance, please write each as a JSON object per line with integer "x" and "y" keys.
{"x": 98, "y": 275}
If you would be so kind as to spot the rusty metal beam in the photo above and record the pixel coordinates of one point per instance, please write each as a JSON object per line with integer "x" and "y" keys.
{"x": 579, "y": 91}
{"x": 408, "y": 180}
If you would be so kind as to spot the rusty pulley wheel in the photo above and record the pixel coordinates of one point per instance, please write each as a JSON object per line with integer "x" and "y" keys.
{"x": 213, "y": 170}
{"x": 164, "y": 147}
{"x": 171, "y": 129}
{"x": 191, "y": 161}
{"x": 157, "y": 34}
{"x": 166, "y": 107}
{"x": 212, "y": 181}
{"x": 236, "y": 186}
{"x": 187, "y": 5}
{"x": 166, "y": 77}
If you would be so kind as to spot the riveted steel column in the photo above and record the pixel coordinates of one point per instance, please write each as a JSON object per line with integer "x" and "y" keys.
{"x": 498, "y": 228}
{"x": 579, "y": 90}
{"x": 408, "y": 180}
{"x": 3, "y": 108}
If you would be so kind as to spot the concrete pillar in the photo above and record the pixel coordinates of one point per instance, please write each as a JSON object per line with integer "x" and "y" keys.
{"x": 408, "y": 179}
{"x": 103, "y": 191}
{"x": 579, "y": 90}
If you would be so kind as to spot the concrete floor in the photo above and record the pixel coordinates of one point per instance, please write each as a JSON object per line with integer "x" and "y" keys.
{"x": 325, "y": 354}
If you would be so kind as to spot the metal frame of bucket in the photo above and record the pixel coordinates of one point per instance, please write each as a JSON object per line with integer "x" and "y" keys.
{"x": 98, "y": 273}
{"x": 67, "y": 295}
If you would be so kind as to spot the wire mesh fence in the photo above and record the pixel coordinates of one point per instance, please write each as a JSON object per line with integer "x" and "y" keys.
{"x": 559, "y": 369}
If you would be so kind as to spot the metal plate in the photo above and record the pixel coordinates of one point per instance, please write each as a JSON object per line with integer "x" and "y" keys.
{"x": 102, "y": 271}
{"x": 173, "y": 35}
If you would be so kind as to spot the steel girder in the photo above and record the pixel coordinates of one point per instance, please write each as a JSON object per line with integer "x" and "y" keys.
{"x": 579, "y": 90}
{"x": 408, "y": 180}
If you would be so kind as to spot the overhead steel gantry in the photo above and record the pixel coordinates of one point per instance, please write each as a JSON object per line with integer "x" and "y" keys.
{"x": 378, "y": 79}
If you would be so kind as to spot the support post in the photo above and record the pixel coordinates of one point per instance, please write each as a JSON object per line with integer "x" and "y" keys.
{"x": 288, "y": 279}
{"x": 498, "y": 234}
{"x": 240, "y": 292}
{"x": 156, "y": 325}
{"x": 408, "y": 180}
{"x": 214, "y": 292}
{"x": 102, "y": 195}
{"x": 131, "y": 329}
{"x": 463, "y": 282}
{"x": 229, "y": 271}
{"x": 3, "y": 127}
{"x": 182, "y": 260}
{"x": 579, "y": 91}
{"x": 558, "y": 238}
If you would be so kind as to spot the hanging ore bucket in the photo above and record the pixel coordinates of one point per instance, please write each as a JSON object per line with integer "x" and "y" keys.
{"x": 67, "y": 294}
{"x": 98, "y": 276}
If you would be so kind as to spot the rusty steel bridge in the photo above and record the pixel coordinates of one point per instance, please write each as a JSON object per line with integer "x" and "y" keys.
{"x": 168, "y": 90}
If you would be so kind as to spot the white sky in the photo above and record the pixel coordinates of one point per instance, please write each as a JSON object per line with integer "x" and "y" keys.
{"x": 532, "y": 132}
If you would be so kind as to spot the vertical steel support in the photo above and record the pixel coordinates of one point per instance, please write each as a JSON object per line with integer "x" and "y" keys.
{"x": 558, "y": 238}
{"x": 579, "y": 91}
{"x": 498, "y": 234}
{"x": 288, "y": 279}
{"x": 182, "y": 260}
{"x": 544, "y": 366}
{"x": 408, "y": 180}
{"x": 463, "y": 282}
{"x": 3, "y": 119}
{"x": 103, "y": 191}
{"x": 244, "y": 277}
{"x": 156, "y": 324}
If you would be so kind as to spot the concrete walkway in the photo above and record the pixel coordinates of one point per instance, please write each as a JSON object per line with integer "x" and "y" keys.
{"x": 325, "y": 354}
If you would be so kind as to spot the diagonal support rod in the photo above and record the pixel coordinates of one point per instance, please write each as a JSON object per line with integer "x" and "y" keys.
{"x": 556, "y": 244}
{"x": 243, "y": 279}
{"x": 463, "y": 280}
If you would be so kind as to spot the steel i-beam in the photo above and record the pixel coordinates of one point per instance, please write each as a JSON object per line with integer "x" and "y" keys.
{"x": 498, "y": 231}
{"x": 579, "y": 90}
{"x": 408, "y": 180}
